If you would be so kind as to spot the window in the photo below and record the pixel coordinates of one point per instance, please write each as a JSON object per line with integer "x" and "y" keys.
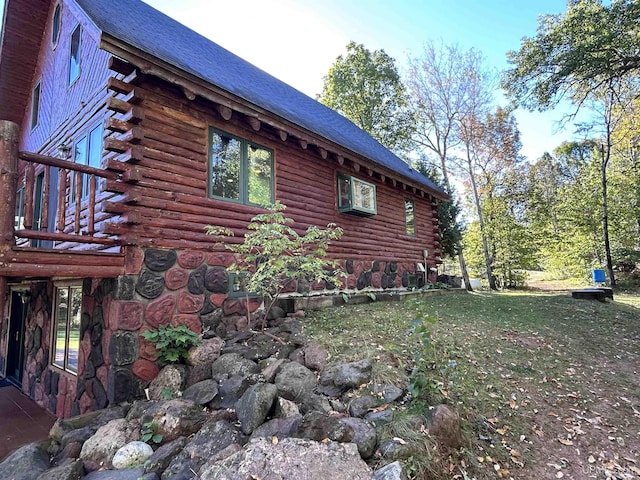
{"x": 35, "y": 105}
{"x": 355, "y": 196}
{"x": 238, "y": 286}
{"x": 55, "y": 25}
{"x": 409, "y": 217}
{"x": 19, "y": 217}
{"x": 87, "y": 151}
{"x": 240, "y": 170}
{"x": 74, "y": 55}
{"x": 66, "y": 317}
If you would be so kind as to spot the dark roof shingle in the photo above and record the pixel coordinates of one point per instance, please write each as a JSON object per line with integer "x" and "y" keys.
{"x": 153, "y": 32}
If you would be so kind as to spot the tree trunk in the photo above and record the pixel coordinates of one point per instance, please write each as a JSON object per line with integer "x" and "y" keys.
{"x": 463, "y": 269}
{"x": 483, "y": 236}
{"x": 606, "y": 155}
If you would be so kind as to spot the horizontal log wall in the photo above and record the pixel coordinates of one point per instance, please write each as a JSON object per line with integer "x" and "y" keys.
{"x": 172, "y": 208}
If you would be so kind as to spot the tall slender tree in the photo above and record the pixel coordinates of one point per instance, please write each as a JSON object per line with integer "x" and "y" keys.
{"x": 446, "y": 85}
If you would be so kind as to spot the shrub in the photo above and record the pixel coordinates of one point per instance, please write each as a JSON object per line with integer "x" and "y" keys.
{"x": 172, "y": 343}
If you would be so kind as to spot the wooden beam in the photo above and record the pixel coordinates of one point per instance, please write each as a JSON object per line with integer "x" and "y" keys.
{"x": 134, "y": 135}
{"x": 77, "y": 270}
{"x": 56, "y": 162}
{"x": 255, "y": 124}
{"x": 224, "y": 111}
{"x": 28, "y": 195}
{"x": 383, "y": 178}
{"x": 303, "y": 143}
{"x": 190, "y": 94}
{"x": 369, "y": 172}
{"x": 134, "y": 97}
{"x": 118, "y": 105}
{"x": 323, "y": 153}
{"x": 120, "y": 66}
{"x": 118, "y": 86}
{"x": 394, "y": 182}
{"x": 65, "y": 237}
{"x": 9, "y": 137}
{"x": 114, "y": 124}
{"x": 283, "y": 135}
{"x": 356, "y": 167}
{"x": 340, "y": 159}
{"x": 134, "y": 115}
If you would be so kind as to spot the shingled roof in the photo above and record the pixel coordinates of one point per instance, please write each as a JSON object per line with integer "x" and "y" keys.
{"x": 147, "y": 29}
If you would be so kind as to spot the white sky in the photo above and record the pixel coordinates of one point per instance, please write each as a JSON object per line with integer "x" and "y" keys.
{"x": 297, "y": 41}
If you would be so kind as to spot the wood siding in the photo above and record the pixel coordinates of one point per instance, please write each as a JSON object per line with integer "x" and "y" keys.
{"x": 172, "y": 207}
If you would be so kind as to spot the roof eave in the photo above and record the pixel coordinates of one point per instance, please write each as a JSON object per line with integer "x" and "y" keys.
{"x": 192, "y": 85}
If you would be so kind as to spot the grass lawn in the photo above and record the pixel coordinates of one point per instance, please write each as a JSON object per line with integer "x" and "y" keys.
{"x": 547, "y": 386}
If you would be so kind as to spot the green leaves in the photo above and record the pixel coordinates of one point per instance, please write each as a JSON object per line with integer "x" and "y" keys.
{"x": 575, "y": 53}
{"x": 273, "y": 253}
{"x": 365, "y": 87}
{"x": 172, "y": 343}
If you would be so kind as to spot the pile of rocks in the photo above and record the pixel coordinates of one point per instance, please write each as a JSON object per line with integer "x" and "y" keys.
{"x": 258, "y": 405}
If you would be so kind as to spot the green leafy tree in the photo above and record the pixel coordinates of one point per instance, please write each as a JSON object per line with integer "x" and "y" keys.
{"x": 588, "y": 55}
{"x": 365, "y": 87}
{"x": 576, "y": 53}
{"x": 273, "y": 254}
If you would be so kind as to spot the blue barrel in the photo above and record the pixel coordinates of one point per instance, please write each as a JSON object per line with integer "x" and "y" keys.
{"x": 598, "y": 276}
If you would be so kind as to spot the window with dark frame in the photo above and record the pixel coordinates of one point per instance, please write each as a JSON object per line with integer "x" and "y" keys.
{"x": 35, "y": 105}
{"x": 410, "y": 217}
{"x": 74, "y": 54}
{"x": 55, "y": 25}
{"x": 66, "y": 331}
{"x": 87, "y": 150}
{"x": 240, "y": 170}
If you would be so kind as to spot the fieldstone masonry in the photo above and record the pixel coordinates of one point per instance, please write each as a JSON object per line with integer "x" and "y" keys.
{"x": 172, "y": 288}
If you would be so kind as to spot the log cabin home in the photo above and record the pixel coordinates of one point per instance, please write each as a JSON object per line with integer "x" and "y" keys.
{"x": 122, "y": 135}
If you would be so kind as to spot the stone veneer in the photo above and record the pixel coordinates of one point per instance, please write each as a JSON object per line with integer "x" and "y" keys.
{"x": 172, "y": 287}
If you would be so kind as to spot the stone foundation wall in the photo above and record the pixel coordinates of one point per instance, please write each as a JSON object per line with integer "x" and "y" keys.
{"x": 172, "y": 287}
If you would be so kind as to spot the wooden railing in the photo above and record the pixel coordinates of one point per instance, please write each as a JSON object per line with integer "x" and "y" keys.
{"x": 67, "y": 207}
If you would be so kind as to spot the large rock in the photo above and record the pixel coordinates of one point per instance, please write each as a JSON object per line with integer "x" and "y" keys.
{"x": 132, "y": 455}
{"x": 68, "y": 471}
{"x": 365, "y": 436}
{"x": 294, "y": 381}
{"x": 444, "y": 424}
{"x": 254, "y": 405}
{"x": 201, "y": 392}
{"x": 231, "y": 364}
{"x": 168, "y": 383}
{"x": 229, "y": 392}
{"x": 392, "y": 471}
{"x": 354, "y": 374}
{"x": 174, "y": 418}
{"x": 126, "y": 474}
{"x": 360, "y": 406}
{"x": 102, "y": 446}
{"x": 212, "y": 438}
{"x": 320, "y": 427}
{"x": 290, "y": 459}
{"x": 315, "y": 356}
{"x": 206, "y": 352}
{"x": 277, "y": 427}
{"x": 162, "y": 457}
{"x": 26, "y": 463}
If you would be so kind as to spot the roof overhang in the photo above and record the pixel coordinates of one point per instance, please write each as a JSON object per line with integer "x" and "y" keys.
{"x": 23, "y": 25}
{"x": 193, "y": 86}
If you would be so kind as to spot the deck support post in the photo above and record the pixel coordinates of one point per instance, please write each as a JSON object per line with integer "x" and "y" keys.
{"x": 8, "y": 183}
